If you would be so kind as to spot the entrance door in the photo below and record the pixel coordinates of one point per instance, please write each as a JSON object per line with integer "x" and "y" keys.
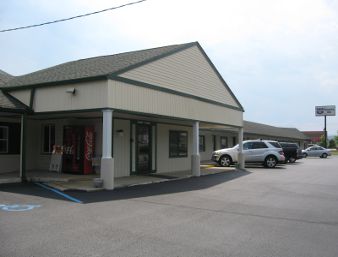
{"x": 143, "y": 149}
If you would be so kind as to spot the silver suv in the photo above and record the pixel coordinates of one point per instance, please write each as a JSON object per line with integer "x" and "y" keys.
{"x": 267, "y": 152}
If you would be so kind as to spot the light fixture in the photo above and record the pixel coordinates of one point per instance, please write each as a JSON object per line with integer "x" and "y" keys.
{"x": 120, "y": 132}
{"x": 71, "y": 90}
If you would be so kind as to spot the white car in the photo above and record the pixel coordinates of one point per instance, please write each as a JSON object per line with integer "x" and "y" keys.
{"x": 267, "y": 152}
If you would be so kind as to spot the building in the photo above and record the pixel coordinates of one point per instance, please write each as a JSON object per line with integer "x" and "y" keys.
{"x": 314, "y": 137}
{"x": 136, "y": 112}
{"x": 253, "y": 130}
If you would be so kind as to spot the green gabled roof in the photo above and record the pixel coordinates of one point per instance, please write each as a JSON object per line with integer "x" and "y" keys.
{"x": 260, "y": 129}
{"x": 92, "y": 68}
{"x": 5, "y": 77}
{"x": 7, "y": 102}
{"x": 10, "y": 104}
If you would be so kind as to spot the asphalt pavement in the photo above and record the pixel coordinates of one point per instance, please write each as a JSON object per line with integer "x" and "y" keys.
{"x": 288, "y": 211}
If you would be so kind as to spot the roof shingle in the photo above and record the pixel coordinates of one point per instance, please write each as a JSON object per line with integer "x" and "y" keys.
{"x": 267, "y": 130}
{"x": 92, "y": 67}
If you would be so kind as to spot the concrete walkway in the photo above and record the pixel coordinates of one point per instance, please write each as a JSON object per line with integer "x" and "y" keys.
{"x": 64, "y": 181}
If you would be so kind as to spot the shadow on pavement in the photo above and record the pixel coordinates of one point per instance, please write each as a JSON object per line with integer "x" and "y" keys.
{"x": 28, "y": 188}
{"x": 167, "y": 187}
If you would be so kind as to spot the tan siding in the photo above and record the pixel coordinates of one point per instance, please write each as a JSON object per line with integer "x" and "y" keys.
{"x": 121, "y": 145}
{"x": 187, "y": 71}
{"x": 9, "y": 163}
{"x": 23, "y": 96}
{"x": 139, "y": 99}
{"x": 206, "y": 156}
{"x": 164, "y": 163}
{"x": 88, "y": 95}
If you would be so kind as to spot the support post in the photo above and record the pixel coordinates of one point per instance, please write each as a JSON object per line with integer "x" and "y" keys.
{"x": 241, "y": 163}
{"x": 195, "y": 157}
{"x": 325, "y": 133}
{"x": 107, "y": 160}
{"x": 23, "y": 148}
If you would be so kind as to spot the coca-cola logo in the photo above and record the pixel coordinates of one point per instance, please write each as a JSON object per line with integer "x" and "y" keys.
{"x": 89, "y": 145}
{"x": 68, "y": 149}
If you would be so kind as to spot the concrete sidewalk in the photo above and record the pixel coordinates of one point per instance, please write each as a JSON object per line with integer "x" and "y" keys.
{"x": 88, "y": 184}
{"x": 64, "y": 181}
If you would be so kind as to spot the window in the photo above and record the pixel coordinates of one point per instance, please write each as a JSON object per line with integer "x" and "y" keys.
{"x": 178, "y": 144}
{"x": 224, "y": 142}
{"x": 10, "y": 138}
{"x": 258, "y": 145}
{"x": 278, "y": 145}
{"x": 3, "y": 139}
{"x": 247, "y": 146}
{"x": 48, "y": 138}
{"x": 202, "y": 143}
{"x": 214, "y": 143}
{"x": 234, "y": 141}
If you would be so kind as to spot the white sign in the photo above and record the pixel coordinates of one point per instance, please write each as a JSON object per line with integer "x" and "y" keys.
{"x": 328, "y": 110}
{"x": 56, "y": 163}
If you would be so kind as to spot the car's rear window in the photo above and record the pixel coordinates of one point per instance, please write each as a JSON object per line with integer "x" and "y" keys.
{"x": 275, "y": 144}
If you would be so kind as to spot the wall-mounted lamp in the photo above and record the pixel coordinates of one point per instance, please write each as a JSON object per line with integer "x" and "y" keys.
{"x": 71, "y": 90}
{"x": 120, "y": 132}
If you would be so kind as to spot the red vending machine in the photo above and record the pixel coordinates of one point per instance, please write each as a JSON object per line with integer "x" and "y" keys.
{"x": 78, "y": 149}
{"x": 88, "y": 150}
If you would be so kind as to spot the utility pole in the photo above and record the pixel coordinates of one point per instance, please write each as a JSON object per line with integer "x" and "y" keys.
{"x": 325, "y": 132}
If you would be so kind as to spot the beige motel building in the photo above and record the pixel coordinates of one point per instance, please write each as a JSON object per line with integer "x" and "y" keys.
{"x": 151, "y": 111}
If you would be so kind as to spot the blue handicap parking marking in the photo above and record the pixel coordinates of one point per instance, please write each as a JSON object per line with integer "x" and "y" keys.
{"x": 18, "y": 207}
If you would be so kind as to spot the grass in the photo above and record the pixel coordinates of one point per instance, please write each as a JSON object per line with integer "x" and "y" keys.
{"x": 334, "y": 152}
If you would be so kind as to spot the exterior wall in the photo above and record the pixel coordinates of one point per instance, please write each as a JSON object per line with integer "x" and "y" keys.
{"x": 88, "y": 95}
{"x": 187, "y": 71}
{"x": 164, "y": 162}
{"x": 209, "y": 147}
{"x": 9, "y": 163}
{"x": 127, "y": 97}
{"x": 23, "y": 95}
{"x": 121, "y": 149}
{"x": 36, "y": 160}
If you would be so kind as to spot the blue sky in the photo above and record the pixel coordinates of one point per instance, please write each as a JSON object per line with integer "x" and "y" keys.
{"x": 280, "y": 58}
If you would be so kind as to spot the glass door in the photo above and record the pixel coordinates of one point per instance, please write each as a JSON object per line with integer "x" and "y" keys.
{"x": 143, "y": 148}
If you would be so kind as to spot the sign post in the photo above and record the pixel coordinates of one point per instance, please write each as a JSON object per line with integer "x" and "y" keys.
{"x": 327, "y": 110}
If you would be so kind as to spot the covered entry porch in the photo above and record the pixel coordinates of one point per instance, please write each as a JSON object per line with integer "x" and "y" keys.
{"x": 125, "y": 145}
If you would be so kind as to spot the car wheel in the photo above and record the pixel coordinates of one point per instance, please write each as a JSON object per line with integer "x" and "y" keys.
{"x": 270, "y": 161}
{"x": 324, "y": 155}
{"x": 225, "y": 161}
{"x": 292, "y": 159}
{"x": 304, "y": 155}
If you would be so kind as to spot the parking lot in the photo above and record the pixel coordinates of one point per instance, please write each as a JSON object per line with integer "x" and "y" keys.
{"x": 291, "y": 210}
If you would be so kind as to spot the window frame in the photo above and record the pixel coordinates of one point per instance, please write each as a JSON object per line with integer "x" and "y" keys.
{"x": 50, "y": 141}
{"x": 5, "y": 139}
{"x": 226, "y": 142}
{"x": 177, "y": 137}
{"x": 201, "y": 143}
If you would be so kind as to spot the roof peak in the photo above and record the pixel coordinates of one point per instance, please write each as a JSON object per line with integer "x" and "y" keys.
{"x": 94, "y": 67}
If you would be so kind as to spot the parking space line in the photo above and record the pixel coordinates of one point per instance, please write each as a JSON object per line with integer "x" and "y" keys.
{"x": 58, "y": 192}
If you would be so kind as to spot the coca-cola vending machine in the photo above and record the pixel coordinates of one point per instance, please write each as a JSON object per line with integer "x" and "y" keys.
{"x": 78, "y": 149}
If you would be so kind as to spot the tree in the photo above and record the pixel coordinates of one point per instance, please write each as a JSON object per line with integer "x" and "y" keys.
{"x": 332, "y": 144}
{"x": 322, "y": 141}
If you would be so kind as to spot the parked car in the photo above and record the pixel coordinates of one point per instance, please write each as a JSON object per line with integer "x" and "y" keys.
{"x": 291, "y": 151}
{"x": 267, "y": 152}
{"x": 316, "y": 151}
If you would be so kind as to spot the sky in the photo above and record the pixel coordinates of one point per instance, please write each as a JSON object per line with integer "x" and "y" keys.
{"x": 280, "y": 58}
